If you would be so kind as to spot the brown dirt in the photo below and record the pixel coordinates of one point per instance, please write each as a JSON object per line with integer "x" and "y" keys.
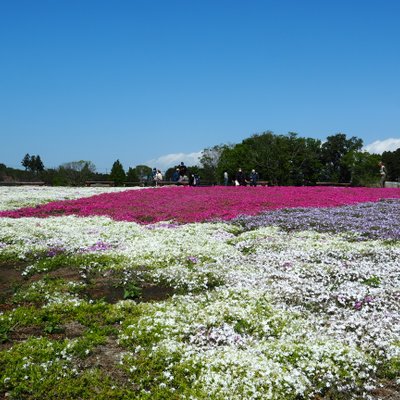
{"x": 389, "y": 391}
{"x": 155, "y": 293}
{"x": 106, "y": 358}
{"x": 111, "y": 294}
{"x": 101, "y": 286}
{"x": 68, "y": 274}
{"x": 108, "y": 289}
{"x": 10, "y": 278}
{"x": 9, "y": 274}
{"x": 73, "y": 329}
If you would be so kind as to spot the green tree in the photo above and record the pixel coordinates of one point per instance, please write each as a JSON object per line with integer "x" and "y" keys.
{"x": 38, "y": 165}
{"x": 270, "y": 155}
{"x": 117, "y": 173}
{"x": 335, "y": 168}
{"x": 132, "y": 175}
{"x": 279, "y": 159}
{"x": 209, "y": 161}
{"x": 26, "y": 161}
{"x": 143, "y": 172}
{"x": 80, "y": 166}
{"x": 363, "y": 167}
{"x": 231, "y": 159}
{"x": 75, "y": 173}
{"x": 3, "y": 172}
{"x": 303, "y": 159}
{"x": 391, "y": 159}
{"x": 32, "y": 163}
{"x": 169, "y": 172}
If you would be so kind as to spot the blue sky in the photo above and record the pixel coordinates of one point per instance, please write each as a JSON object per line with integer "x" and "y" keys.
{"x": 155, "y": 82}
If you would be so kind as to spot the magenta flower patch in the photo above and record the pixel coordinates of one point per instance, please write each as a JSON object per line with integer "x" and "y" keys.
{"x": 197, "y": 204}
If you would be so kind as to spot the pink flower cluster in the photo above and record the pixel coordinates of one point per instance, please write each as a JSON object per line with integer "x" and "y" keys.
{"x": 196, "y": 204}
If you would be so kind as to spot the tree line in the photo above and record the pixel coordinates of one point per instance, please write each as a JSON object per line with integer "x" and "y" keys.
{"x": 293, "y": 160}
{"x": 279, "y": 159}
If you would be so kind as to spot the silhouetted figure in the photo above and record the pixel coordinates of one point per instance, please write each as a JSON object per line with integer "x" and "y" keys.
{"x": 182, "y": 169}
{"x": 241, "y": 177}
{"x": 175, "y": 175}
{"x": 382, "y": 172}
{"x": 158, "y": 177}
{"x": 226, "y": 178}
{"x": 253, "y": 178}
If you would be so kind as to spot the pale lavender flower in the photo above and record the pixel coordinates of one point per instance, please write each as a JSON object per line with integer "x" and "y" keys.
{"x": 379, "y": 220}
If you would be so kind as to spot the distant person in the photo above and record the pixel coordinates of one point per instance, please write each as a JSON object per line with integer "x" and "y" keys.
{"x": 240, "y": 178}
{"x": 382, "y": 172}
{"x": 226, "y": 178}
{"x": 182, "y": 169}
{"x": 153, "y": 175}
{"x": 175, "y": 175}
{"x": 192, "y": 180}
{"x": 253, "y": 178}
{"x": 158, "y": 177}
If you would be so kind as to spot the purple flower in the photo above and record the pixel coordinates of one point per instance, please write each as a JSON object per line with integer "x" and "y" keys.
{"x": 368, "y": 299}
{"x": 380, "y": 220}
{"x": 358, "y": 305}
{"x": 54, "y": 251}
{"x": 99, "y": 246}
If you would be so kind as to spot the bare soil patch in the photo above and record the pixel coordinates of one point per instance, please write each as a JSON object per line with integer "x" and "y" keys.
{"x": 389, "y": 391}
{"x": 10, "y": 278}
{"x": 106, "y": 358}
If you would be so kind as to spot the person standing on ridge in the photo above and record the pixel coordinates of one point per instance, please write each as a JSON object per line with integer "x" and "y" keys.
{"x": 175, "y": 176}
{"x": 158, "y": 177}
{"x": 226, "y": 178}
{"x": 253, "y": 178}
{"x": 241, "y": 177}
{"x": 382, "y": 172}
{"x": 182, "y": 169}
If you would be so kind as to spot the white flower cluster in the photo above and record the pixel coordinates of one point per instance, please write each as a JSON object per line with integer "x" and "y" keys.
{"x": 13, "y": 197}
{"x": 246, "y": 349}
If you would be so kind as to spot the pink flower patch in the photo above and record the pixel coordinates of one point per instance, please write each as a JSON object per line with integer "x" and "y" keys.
{"x": 197, "y": 204}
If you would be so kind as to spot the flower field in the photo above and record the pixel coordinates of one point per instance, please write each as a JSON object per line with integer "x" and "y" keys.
{"x": 14, "y": 197}
{"x": 192, "y": 204}
{"x": 200, "y": 293}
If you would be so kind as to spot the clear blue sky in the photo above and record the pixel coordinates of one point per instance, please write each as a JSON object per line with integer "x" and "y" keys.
{"x": 138, "y": 80}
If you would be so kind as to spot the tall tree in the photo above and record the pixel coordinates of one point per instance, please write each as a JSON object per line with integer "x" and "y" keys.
{"x": 38, "y": 165}
{"x": 26, "y": 161}
{"x": 32, "y": 163}
{"x": 132, "y": 175}
{"x": 80, "y": 165}
{"x": 231, "y": 159}
{"x": 117, "y": 173}
{"x": 75, "y": 173}
{"x": 304, "y": 159}
{"x": 363, "y": 167}
{"x": 270, "y": 156}
{"x": 144, "y": 172}
{"x": 332, "y": 152}
{"x": 279, "y": 159}
{"x": 391, "y": 159}
{"x": 169, "y": 173}
{"x": 209, "y": 161}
